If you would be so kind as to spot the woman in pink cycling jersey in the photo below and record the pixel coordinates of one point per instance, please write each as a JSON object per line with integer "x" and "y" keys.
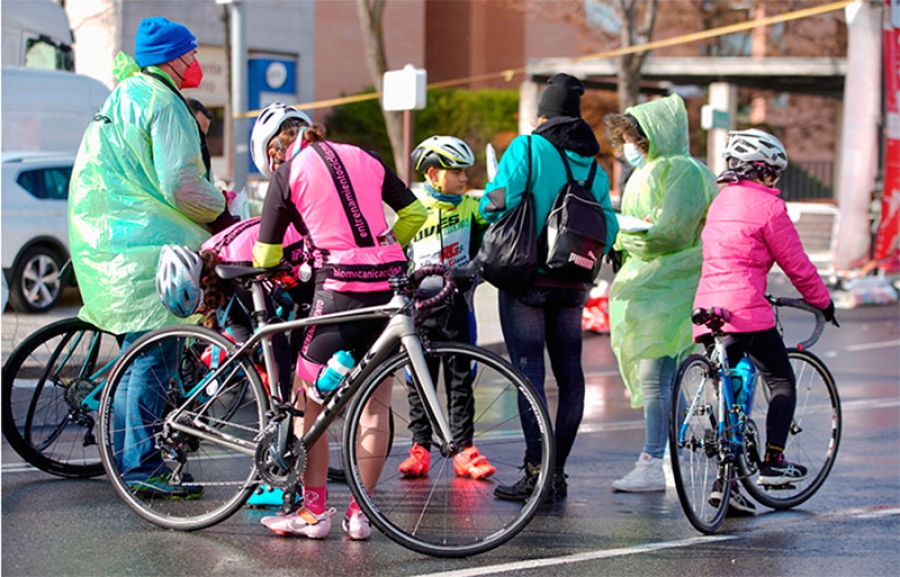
{"x": 334, "y": 194}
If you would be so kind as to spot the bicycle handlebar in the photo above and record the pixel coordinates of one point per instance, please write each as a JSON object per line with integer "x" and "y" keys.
{"x": 434, "y": 270}
{"x": 803, "y": 305}
{"x": 716, "y": 317}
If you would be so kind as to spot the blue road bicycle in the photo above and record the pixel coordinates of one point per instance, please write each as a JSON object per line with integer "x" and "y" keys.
{"x": 714, "y": 438}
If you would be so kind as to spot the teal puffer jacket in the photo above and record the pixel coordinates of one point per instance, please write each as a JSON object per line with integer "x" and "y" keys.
{"x": 548, "y": 175}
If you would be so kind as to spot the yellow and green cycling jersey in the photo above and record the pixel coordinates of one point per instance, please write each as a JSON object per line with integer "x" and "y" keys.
{"x": 451, "y": 234}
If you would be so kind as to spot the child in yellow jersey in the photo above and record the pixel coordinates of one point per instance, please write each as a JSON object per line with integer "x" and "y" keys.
{"x": 451, "y": 235}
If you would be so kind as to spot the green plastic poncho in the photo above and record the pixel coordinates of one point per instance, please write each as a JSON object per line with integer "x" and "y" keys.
{"x": 652, "y": 294}
{"x": 138, "y": 183}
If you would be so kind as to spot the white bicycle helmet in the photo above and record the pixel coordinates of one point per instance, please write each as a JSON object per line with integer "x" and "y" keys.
{"x": 447, "y": 152}
{"x": 753, "y": 145}
{"x": 178, "y": 280}
{"x": 266, "y": 127}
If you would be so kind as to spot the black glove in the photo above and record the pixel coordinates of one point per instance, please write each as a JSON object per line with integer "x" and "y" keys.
{"x": 829, "y": 314}
{"x": 615, "y": 259}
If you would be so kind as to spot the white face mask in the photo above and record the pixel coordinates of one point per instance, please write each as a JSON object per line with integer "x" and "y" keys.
{"x": 633, "y": 155}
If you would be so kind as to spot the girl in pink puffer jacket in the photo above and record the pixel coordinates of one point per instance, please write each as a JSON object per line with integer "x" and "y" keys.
{"x": 747, "y": 231}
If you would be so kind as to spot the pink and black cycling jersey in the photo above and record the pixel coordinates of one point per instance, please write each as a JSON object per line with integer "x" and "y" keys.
{"x": 334, "y": 193}
{"x": 234, "y": 245}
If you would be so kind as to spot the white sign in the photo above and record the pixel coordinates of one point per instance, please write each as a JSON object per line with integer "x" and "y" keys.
{"x": 213, "y": 89}
{"x": 404, "y": 89}
{"x": 711, "y": 118}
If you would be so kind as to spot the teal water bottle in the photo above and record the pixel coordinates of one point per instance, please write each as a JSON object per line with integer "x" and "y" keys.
{"x": 746, "y": 372}
{"x": 331, "y": 375}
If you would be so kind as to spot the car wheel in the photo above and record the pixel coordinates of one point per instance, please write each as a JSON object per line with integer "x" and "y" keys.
{"x": 35, "y": 285}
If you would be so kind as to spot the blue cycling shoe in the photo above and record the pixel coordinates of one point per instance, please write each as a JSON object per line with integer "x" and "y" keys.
{"x": 265, "y": 497}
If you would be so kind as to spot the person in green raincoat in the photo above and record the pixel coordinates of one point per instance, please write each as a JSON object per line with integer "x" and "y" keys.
{"x": 651, "y": 297}
{"x": 139, "y": 182}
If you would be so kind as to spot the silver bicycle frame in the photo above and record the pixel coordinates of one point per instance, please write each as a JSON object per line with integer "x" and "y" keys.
{"x": 400, "y": 330}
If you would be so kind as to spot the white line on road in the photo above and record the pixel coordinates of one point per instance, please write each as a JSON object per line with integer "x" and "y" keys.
{"x": 579, "y": 557}
{"x": 873, "y": 346}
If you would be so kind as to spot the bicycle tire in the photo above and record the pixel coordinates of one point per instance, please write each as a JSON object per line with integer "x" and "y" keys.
{"x": 813, "y": 439}
{"x": 697, "y": 454}
{"x": 45, "y": 381}
{"x": 225, "y": 474}
{"x": 441, "y": 514}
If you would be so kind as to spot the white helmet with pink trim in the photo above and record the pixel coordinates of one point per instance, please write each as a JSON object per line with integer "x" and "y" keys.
{"x": 264, "y": 130}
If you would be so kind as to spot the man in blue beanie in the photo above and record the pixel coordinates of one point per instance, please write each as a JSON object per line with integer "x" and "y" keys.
{"x": 140, "y": 182}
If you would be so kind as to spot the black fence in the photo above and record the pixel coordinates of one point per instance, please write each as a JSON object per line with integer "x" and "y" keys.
{"x": 811, "y": 180}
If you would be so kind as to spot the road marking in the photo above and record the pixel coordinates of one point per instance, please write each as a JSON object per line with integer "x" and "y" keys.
{"x": 579, "y": 557}
{"x": 869, "y": 404}
{"x": 869, "y": 512}
{"x": 873, "y": 346}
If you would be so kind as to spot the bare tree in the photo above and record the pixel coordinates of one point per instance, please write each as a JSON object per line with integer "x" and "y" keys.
{"x": 638, "y": 18}
{"x": 371, "y": 13}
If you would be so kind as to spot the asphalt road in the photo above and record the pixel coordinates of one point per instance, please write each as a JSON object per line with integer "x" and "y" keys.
{"x": 53, "y": 526}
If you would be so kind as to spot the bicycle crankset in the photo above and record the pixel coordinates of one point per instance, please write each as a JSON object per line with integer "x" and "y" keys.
{"x": 273, "y": 473}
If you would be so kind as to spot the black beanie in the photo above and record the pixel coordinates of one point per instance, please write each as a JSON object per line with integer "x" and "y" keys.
{"x": 562, "y": 97}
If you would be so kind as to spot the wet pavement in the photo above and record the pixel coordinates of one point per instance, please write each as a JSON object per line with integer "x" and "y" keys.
{"x": 54, "y": 526}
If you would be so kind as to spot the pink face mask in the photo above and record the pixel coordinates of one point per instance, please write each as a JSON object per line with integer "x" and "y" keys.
{"x": 193, "y": 75}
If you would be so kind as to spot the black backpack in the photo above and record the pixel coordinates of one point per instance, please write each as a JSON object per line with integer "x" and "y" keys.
{"x": 572, "y": 242}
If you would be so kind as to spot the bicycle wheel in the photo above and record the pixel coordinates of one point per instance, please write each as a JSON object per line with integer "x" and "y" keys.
{"x": 813, "y": 438}
{"x": 335, "y": 434}
{"x": 441, "y": 514}
{"x": 695, "y": 446}
{"x": 50, "y": 391}
{"x": 189, "y": 479}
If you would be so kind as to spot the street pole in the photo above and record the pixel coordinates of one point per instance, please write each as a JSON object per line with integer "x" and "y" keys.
{"x": 239, "y": 134}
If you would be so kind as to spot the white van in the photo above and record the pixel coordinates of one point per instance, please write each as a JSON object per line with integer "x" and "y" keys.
{"x": 36, "y": 34}
{"x": 47, "y": 110}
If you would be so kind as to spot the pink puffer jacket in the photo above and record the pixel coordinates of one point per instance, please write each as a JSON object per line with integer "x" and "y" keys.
{"x": 747, "y": 231}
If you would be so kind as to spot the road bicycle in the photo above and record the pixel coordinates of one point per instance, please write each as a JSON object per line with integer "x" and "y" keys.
{"x": 52, "y": 382}
{"x": 714, "y": 438}
{"x": 51, "y": 392}
{"x": 440, "y": 514}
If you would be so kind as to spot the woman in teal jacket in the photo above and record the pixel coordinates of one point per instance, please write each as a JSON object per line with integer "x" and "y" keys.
{"x": 548, "y": 314}
{"x": 140, "y": 182}
{"x": 650, "y": 299}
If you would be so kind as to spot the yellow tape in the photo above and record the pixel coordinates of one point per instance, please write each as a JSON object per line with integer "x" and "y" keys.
{"x": 509, "y": 74}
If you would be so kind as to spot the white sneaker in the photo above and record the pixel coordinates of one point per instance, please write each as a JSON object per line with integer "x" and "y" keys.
{"x": 646, "y": 477}
{"x": 357, "y": 526}
{"x": 303, "y": 523}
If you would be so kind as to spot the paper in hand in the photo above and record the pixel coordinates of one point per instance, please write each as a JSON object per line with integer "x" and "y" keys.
{"x": 632, "y": 224}
{"x": 491, "y": 155}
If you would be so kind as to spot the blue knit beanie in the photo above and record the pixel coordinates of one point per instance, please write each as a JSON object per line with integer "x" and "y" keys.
{"x": 159, "y": 40}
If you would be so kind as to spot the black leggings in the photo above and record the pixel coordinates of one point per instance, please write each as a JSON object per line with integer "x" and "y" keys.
{"x": 766, "y": 350}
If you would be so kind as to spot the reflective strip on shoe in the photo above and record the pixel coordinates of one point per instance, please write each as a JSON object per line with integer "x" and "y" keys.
{"x": 783, "y": 473}
{"x": 738, "y": 503}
